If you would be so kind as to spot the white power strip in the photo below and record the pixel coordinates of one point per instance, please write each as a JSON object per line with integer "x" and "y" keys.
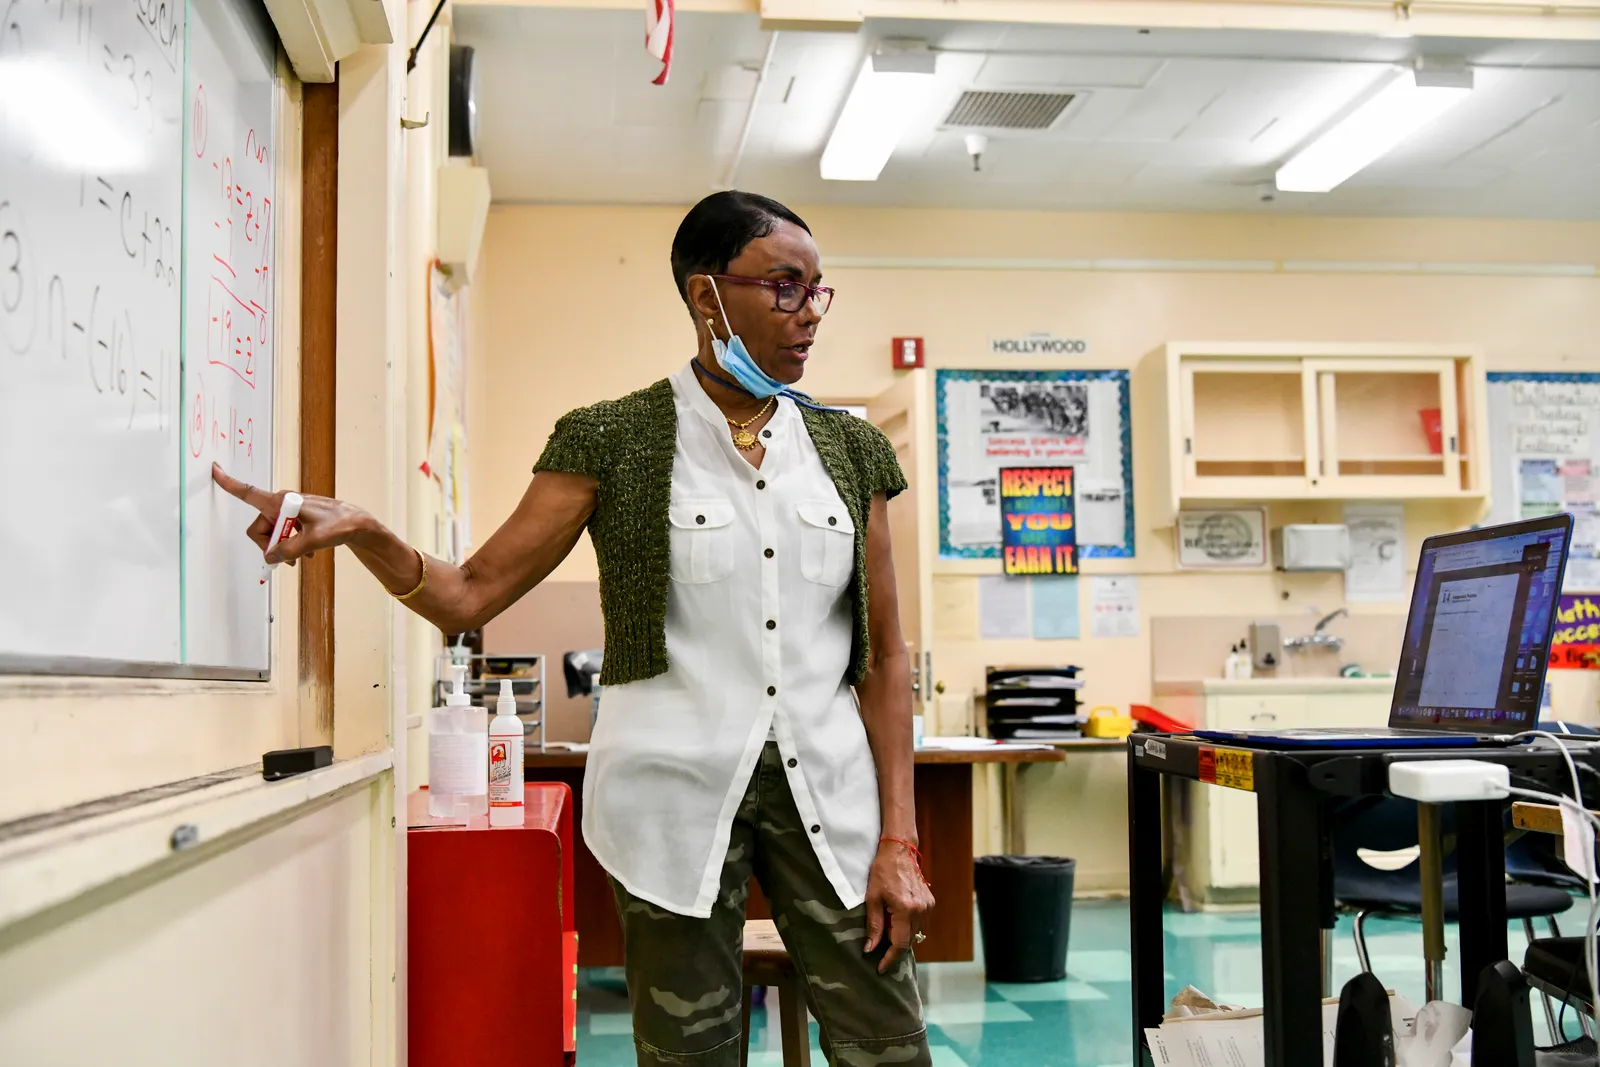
{"x": 1444, "y": 781}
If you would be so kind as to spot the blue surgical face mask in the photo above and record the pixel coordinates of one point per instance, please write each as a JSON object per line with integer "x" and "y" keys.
{"x": 735, "y": 359}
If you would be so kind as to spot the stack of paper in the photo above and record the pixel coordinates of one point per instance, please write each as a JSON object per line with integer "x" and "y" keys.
{"x": 1191, "y": 1036}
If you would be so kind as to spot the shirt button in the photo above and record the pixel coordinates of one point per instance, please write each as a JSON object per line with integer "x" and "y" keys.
{"x": 832, "y": 521}
{"x": 772, "y": 690}
{"x": 816, "y": 829}
{"x": 766, "y": 433}
{"x": 701, "y": 519}
{"x": 761, "y": 484}
{"x": 794, "y": 763}
{"x": 768, "y": 553}
{"x": 772, "y": 624}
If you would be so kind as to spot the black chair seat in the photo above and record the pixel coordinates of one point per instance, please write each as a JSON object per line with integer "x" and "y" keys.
{"x": 1557, "y": 962}
{"x": 1385, "y": 893}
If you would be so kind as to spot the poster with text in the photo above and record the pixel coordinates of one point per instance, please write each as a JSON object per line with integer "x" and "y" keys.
{"x": 1576, "y": 644}
{"x": 1545, "y": 450}
{"x": 989, "y": 420}
{"x": 1037, "y": 533}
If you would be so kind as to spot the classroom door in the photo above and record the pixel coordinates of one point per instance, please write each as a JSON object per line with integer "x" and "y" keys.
{"x": 901, "y": 412}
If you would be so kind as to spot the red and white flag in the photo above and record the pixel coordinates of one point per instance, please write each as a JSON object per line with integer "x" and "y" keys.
{"x": 658, "y": 35}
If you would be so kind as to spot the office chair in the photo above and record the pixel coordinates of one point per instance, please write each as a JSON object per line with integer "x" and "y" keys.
{"x": 1389, "y": 824}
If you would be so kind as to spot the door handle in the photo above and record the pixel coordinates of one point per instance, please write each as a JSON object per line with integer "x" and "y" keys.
{"x": 1188, "y": 446}
{"x": 1264, "y": 716}
{"x": 1452, "y": 444}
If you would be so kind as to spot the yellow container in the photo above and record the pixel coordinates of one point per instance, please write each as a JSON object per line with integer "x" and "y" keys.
{"x": 1107, "y": 722}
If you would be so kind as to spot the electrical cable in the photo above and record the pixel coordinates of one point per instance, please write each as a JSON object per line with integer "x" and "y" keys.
{"x": 1590, "y": 946}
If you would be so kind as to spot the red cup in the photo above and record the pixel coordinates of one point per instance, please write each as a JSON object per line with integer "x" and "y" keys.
{"x": 1433, "y": 427}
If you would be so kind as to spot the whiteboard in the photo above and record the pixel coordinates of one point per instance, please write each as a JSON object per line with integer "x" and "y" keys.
{"x": 228, "y": 325}
{"x": 1544, "y": 447}
{"x": 114, "y": 565}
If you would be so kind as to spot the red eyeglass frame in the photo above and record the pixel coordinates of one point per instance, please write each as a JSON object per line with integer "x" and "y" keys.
{"x": 768, "y": 283}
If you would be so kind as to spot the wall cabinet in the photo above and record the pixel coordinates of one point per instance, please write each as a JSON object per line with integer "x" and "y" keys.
{"x": 1247, "y": 422}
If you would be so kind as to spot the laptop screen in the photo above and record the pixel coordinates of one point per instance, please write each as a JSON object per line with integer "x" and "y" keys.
{"x": 1478, "y": 635}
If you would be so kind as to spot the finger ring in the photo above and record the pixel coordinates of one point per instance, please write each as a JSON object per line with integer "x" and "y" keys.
{"x": 919, "y": 937}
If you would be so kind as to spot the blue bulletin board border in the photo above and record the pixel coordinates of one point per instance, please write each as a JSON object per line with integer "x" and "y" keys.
{"x": 1120, "y": 377}
{"x": 1585, "y": 377}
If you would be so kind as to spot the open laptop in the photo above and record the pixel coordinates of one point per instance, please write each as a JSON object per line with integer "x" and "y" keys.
{"x": 1476, "y": 644}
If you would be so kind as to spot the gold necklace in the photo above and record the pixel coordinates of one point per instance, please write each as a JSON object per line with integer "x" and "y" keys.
{"x": 743, "y": 439}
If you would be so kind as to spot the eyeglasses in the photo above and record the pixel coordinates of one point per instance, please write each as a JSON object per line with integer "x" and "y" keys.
{"x": 790, "y": 296}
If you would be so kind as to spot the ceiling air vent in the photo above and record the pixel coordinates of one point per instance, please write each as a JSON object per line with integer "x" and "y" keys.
{"x": 1008, "y": 111}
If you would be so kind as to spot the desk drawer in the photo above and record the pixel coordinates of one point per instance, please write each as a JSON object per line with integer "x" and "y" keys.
{"x": 1274, "y": 712}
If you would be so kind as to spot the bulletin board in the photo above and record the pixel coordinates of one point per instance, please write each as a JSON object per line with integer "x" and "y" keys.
{"x": 1544, "y": 451}
{"x": 989, "y": 419}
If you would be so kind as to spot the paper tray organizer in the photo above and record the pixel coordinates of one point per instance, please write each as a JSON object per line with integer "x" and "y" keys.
{"x": 1023, "y": 703}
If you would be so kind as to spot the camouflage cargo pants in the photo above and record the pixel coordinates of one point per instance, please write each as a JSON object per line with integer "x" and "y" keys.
{"x": 684, "y": 974}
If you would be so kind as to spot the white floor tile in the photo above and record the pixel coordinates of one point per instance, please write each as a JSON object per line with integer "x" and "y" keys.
{"x": 1101, "y": 965}
{"x": 975, "y": 1013}
{"x": 1040, "y": 992}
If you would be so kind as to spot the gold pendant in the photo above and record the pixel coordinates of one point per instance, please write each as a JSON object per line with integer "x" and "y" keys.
{"x": 744, "y": 440}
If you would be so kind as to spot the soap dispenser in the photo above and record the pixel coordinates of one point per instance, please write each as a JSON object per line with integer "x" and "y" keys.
{"x": 458, "y": 754}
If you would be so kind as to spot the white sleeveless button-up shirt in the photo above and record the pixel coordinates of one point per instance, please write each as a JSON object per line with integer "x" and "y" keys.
{"x": 758, "y": 640}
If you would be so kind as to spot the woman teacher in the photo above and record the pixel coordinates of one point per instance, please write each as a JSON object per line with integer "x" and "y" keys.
{"x": 756, "y": 716}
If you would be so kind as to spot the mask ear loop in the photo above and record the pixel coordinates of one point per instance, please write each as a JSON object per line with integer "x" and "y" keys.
{"x": 726, "y": 324}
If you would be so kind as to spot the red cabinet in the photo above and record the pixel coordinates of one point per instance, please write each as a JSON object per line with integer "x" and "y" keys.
{"x": 492, "y": 946}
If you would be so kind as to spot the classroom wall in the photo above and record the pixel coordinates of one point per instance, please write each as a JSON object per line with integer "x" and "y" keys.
{"x": 279, "y": 942}
{"x": 580, "y": 306}
{"x": 426, "y": 149}
{"x": 259, "y": 952}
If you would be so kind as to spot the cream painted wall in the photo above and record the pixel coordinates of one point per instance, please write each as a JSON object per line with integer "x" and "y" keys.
{"x": 426, "y": 149}
{"x": 580, "y": 306}
{"x": 257, "y": 951}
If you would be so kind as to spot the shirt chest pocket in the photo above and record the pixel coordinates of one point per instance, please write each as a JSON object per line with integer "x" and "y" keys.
{"x": 702, "y": 534}
{"x": 827, "y": 543}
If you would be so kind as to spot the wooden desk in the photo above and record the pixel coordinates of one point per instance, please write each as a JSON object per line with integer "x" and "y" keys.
{"x": 944, "y": 822}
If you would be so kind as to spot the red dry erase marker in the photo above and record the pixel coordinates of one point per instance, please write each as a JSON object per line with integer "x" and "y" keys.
{"x": 288, "y": 522}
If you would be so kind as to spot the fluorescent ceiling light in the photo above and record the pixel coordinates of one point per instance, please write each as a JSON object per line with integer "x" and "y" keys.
{"x": 1398, "y": 110}
{"x": 875, "y": 116}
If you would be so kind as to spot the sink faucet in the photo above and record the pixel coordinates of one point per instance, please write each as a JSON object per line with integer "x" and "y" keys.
{"x": 1317, "y": 638}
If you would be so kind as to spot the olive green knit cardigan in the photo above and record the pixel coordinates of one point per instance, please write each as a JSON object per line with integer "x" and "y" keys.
{"x": 627, "y": 446}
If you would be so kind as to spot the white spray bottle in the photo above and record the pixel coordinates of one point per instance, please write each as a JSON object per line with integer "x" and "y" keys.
{"x": 505, "y": 761}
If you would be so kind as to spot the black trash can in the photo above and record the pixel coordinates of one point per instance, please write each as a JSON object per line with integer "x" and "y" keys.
{"x": 1025, "y": 913}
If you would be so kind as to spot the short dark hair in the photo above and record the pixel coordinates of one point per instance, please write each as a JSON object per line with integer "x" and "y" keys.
{"x": 718, "y": 228}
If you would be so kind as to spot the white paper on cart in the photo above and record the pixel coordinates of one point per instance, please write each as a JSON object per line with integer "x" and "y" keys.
{"x": 1235, "y": 1038}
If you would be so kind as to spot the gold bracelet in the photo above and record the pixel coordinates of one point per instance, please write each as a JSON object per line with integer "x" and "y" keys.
{"x": 422, "y": 582}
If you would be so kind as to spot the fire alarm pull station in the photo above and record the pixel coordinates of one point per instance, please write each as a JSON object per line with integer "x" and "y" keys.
{"x": 907, "y": 352}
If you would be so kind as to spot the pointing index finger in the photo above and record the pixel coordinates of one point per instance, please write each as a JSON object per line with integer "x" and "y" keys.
{"x": 260, "y": 500}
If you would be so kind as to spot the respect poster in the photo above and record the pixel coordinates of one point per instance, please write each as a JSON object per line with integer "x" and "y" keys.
{"x": 1576, "y": 644}
{"x": 1037, "y": 531}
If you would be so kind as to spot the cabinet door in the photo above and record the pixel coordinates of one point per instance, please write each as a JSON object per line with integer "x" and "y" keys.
{"x": 1248, "y": 428}
{"x": 1387, "y": 428}
{"x": 1235, "y": 847}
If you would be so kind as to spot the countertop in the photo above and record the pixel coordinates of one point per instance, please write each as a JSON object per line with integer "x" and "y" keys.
{"x": 989, "y": 754}
{"x": 1260, "y": 686}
